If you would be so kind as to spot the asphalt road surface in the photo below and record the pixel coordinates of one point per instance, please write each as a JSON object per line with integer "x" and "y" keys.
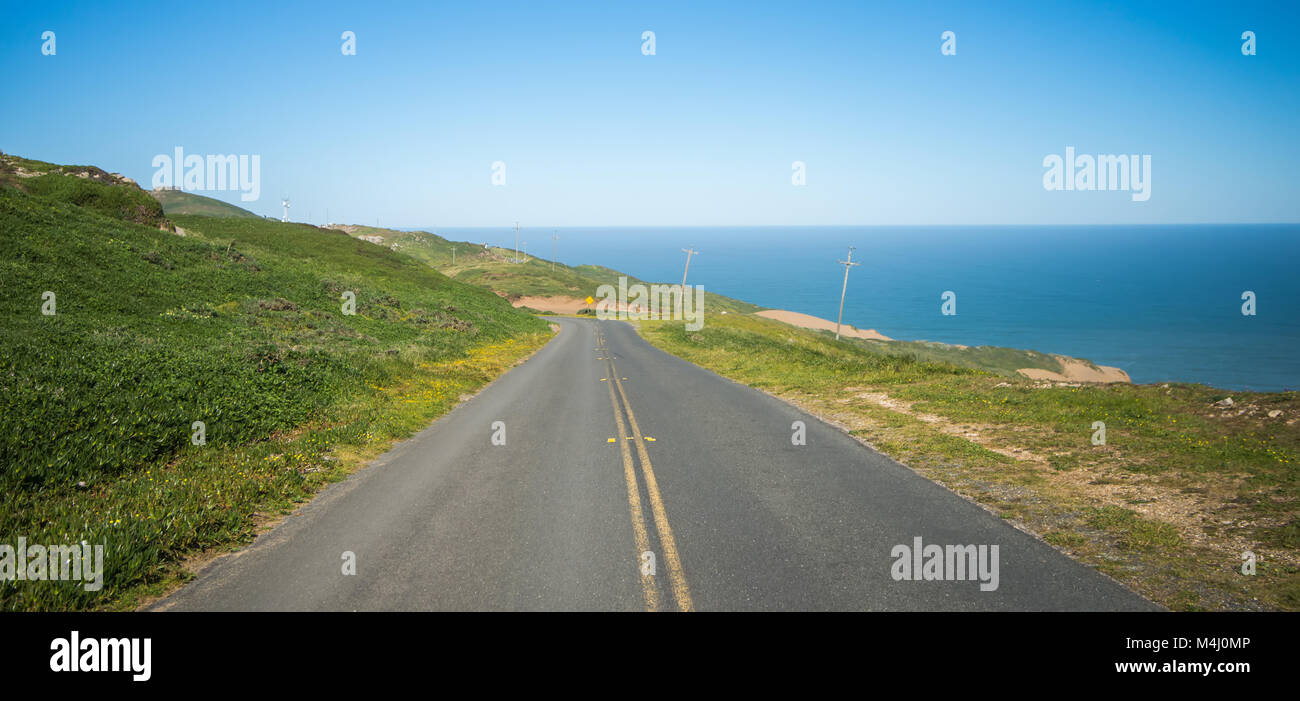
{"x": 631, "y": 480}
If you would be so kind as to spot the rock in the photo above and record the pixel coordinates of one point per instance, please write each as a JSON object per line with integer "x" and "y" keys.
{"x": 1275, "y": 413}
{"x": 1224, "y": 403}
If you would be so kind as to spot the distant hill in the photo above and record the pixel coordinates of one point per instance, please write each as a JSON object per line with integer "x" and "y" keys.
{"x": 491, "y": 267}
{"x": 179, "y": 202}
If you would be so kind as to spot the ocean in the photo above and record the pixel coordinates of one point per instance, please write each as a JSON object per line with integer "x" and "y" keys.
{"x": 1162, "y": 302}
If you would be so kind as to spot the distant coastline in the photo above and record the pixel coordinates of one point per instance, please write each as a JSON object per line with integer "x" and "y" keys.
{"x": 1162, "y": 302}
{"x": 1072, "y": 369}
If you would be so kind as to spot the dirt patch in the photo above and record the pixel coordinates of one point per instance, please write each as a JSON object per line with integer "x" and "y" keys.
{"x": 555, "y": 305}
{"x": 968, "y": 431}
{"x": 808, "y": 321}
{"x": 1191, "y": 513}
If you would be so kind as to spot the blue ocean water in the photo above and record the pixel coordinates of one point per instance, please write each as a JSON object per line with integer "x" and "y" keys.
{"x": 1162, "y": 302}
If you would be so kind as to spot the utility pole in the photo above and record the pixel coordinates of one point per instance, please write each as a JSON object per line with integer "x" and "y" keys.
{"x": 689, "y": 252}
{"x": 555, "y": 245}
{"x": 516, "y": 242}
{"x": 681, "y": 299}
{"x": 847, "y": 264}
{"x": 453, "y": 255}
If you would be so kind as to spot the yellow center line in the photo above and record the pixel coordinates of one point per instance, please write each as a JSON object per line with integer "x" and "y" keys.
{"x": 640, "y": 535}
{"x": 681, "y": 591}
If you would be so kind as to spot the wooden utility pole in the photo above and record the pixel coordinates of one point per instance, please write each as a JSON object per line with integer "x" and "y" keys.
{"x": 681, "y": 299}
{"x": 516, "y": 242}
{"x": 689, "y": 252}
{"x": 555, "y": 245}
{"x": 847, "y": 264}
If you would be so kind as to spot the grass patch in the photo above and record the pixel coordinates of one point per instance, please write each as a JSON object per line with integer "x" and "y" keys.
{"x": 239, "y": 325}
{"x": 1132, "y": 531}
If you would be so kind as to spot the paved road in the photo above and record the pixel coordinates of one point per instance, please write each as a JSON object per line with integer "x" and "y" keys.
{"x": 612, "y": 449}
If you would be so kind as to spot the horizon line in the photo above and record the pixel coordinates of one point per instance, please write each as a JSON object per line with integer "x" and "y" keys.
{"x": 818, "y": 226}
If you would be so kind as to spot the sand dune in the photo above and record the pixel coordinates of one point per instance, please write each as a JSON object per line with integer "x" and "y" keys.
{"x": 814, "y": 322}
{"x": 1075, "y": 370}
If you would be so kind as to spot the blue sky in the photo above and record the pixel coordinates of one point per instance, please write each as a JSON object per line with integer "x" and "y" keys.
{"x": 704, "y": 132}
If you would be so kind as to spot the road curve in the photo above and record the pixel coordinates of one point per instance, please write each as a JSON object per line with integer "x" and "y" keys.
{"x": 614, "y": 449}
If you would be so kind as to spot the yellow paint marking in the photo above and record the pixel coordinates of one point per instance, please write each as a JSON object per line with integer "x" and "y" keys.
{"x": 639, "y": 534}
{"x": 609, "y": 440}
{"x": 650, "y": 439}
{"x": 681, "y": 591}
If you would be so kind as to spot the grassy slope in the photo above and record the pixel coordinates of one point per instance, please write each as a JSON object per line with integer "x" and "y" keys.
{"x": 492, "y": 268}
{"x": 1002, "y": 361}
{"x": 87, "y": 187}
{"x": 237, "y": 325}
{"x": 1180, "y": 489}
{"x": 994, "y": 359}
{"x": 179, "y": 203}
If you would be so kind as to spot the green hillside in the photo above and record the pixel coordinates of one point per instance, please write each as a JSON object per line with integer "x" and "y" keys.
{"x": 492, "y": 268}
{"x": 88, "y": 187}
{"x": 179, "y": 202}
{"x": 239, "y": 325}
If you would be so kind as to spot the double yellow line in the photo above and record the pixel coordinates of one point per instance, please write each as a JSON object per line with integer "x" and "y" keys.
{"x": 676, "y": 575}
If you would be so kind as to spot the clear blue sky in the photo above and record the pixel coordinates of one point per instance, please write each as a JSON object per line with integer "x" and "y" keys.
{"x": 702, "y": 133}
